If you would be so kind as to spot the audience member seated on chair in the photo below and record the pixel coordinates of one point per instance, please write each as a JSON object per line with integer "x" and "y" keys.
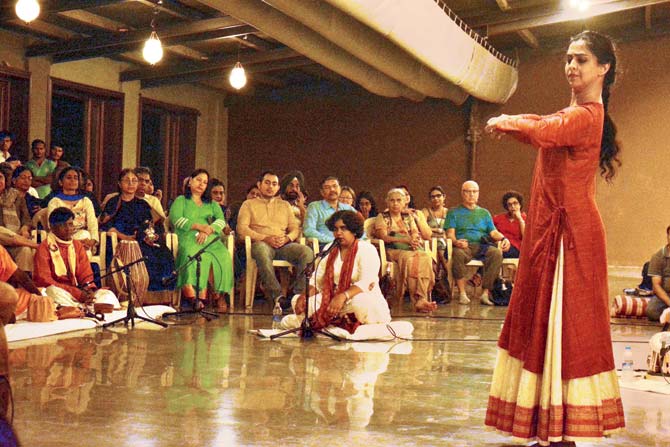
{"x": 347, "y": 292}
{"x": 659, "y": 270}
{"x": 219, "y": 197}
{"x": 511, "y": 224}
{"x": 347, "y": 195}
{"x": 42, "y": 168}
{"x": 144, "y": 183}
{"x": 7, "y": 140}
{"x": 21, "y": 179}
{"x": 318, "y": 212}
{"x": 15, "y": 226}
{"x": 69, "y": 196}
{"x": 273, "y": 228}
{"x": 397, "y": 228}
{"x": 56, "y": 153}
{"x": 292, "y": 189}
{"x": 466, "y": 225}
{"x": 366, "y": 205}
{"x": 62, "y": 261}
{"x": 131, "y": 219}
{"x": 240, "y": 258}
{"x": 197, "y": 221}
{"x": 84, "y": 180}
{"x": 425, "y": 231}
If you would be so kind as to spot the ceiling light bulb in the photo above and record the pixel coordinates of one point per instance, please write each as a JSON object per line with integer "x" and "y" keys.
{"x": 153, "y": 50}
{"x": 238, "y": 78}
{"x": 27, "y": 10}
{"x": 584, "y": 5}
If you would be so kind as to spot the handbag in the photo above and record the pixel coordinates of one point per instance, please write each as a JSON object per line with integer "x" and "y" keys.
{"x": 502, "y": 292}
{"x": 387, "y": 283}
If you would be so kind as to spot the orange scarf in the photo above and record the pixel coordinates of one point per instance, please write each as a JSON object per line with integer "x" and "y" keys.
{"x": 322, "y": 318}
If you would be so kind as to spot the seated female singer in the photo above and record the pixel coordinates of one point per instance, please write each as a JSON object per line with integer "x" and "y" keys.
{"x": 130, "y": 218}
{"x": 345, "y": 289}
{"x": 197, "y": 219}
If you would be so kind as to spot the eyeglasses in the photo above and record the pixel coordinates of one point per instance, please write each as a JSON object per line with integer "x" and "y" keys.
{"x": 435, "y": 196}
{"x": 470, "y": 191}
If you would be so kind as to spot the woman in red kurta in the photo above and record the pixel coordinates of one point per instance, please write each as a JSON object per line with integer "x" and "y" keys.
{"x": 554, "y": 379}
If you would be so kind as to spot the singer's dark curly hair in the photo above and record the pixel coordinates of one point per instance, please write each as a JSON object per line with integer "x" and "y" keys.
{"x": 351, "y": 219}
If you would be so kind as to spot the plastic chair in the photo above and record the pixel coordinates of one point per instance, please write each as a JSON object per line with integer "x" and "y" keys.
{"x": 172, "y": 243}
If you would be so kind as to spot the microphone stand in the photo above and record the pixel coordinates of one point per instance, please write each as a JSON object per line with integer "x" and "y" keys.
{"x": 305, "y": 330}
{"x": 197, "y": 257}
{"x": 131, "y": 314}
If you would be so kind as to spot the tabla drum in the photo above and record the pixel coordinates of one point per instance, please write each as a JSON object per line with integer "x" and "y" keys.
{"x": 126, "y": 253}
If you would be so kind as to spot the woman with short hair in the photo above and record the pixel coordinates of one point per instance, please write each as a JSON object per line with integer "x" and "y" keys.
{"x": 398, "y": 229}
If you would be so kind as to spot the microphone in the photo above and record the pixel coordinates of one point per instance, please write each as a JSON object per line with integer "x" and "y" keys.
{"x": 324, "y": 252}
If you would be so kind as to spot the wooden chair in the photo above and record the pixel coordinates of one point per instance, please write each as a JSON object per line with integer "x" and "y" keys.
{"x": 251, "y": 274}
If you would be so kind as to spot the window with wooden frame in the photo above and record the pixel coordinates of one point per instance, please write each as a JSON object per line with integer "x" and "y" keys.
{"x": 167, "y": 144}
{"x": 88, "y": 123}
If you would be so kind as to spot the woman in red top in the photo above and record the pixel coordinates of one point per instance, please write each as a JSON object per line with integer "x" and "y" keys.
{"x": 554, "y": 379}
{"x": 512, "y": 224}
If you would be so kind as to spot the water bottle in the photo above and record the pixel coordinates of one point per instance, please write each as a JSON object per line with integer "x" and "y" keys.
{"x": 627, "y": 368}
{"x": 276, "y": 316}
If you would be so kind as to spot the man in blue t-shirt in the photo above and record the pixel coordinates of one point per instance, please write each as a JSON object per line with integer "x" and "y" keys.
{"x": 465, "y": 226}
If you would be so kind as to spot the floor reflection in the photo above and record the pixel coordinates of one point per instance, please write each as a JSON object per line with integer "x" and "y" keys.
{"x": 214, "y": 384}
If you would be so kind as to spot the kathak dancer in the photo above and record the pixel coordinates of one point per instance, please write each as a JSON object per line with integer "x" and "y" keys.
{"x": 554, "y": 380}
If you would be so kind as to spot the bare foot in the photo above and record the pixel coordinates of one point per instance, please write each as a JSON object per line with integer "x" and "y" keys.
{"x": 425, "y": 306}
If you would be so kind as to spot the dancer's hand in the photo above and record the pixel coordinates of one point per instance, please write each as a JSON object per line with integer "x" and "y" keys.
{"x": 492, "y": 126}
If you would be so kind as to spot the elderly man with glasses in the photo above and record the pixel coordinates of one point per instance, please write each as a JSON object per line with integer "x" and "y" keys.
{"x": 466, "y": 225}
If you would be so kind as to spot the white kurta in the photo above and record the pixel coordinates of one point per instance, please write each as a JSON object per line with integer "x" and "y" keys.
{"x": 369, "y": 306}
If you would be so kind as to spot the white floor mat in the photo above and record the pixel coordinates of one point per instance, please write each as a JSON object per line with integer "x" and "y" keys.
{"x": 378, "y": 332}
{"x": 24, "y": 330}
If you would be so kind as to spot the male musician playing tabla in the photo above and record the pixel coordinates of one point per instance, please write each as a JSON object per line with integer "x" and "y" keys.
{"x": 61, "y": 261}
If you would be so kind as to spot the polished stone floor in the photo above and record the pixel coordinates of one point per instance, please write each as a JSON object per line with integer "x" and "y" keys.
{"x": 213, "y": 384}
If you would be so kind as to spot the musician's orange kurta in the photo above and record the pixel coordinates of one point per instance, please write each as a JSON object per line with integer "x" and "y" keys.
{"x": 44, "y": 274}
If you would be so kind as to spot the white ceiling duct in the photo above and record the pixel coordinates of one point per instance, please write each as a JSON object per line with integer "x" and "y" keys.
{"x": 429, "y": 31}
{"x": 370, "y": 46}
{"x": 305, "y": 41}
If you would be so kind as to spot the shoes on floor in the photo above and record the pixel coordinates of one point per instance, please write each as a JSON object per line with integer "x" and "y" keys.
{"x": 285, "y": 304}
{"x": 484, "y": 299}
{"x": 463, "y": 299}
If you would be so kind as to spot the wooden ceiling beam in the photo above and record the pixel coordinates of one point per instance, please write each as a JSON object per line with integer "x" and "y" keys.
{"x": 254, "y": 42}
{"x": 177, "y": 70}
{"x": 508, "y": 23}
{"x": 7, "y": 12}
{"x": 222, "y": 71}
{"x": 174, "y": 35}
{"x": 39, "y": 28}
{"x": 175, "y": 9}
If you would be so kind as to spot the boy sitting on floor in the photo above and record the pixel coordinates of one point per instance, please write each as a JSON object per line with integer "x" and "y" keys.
{"x": 61, "y": 261}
